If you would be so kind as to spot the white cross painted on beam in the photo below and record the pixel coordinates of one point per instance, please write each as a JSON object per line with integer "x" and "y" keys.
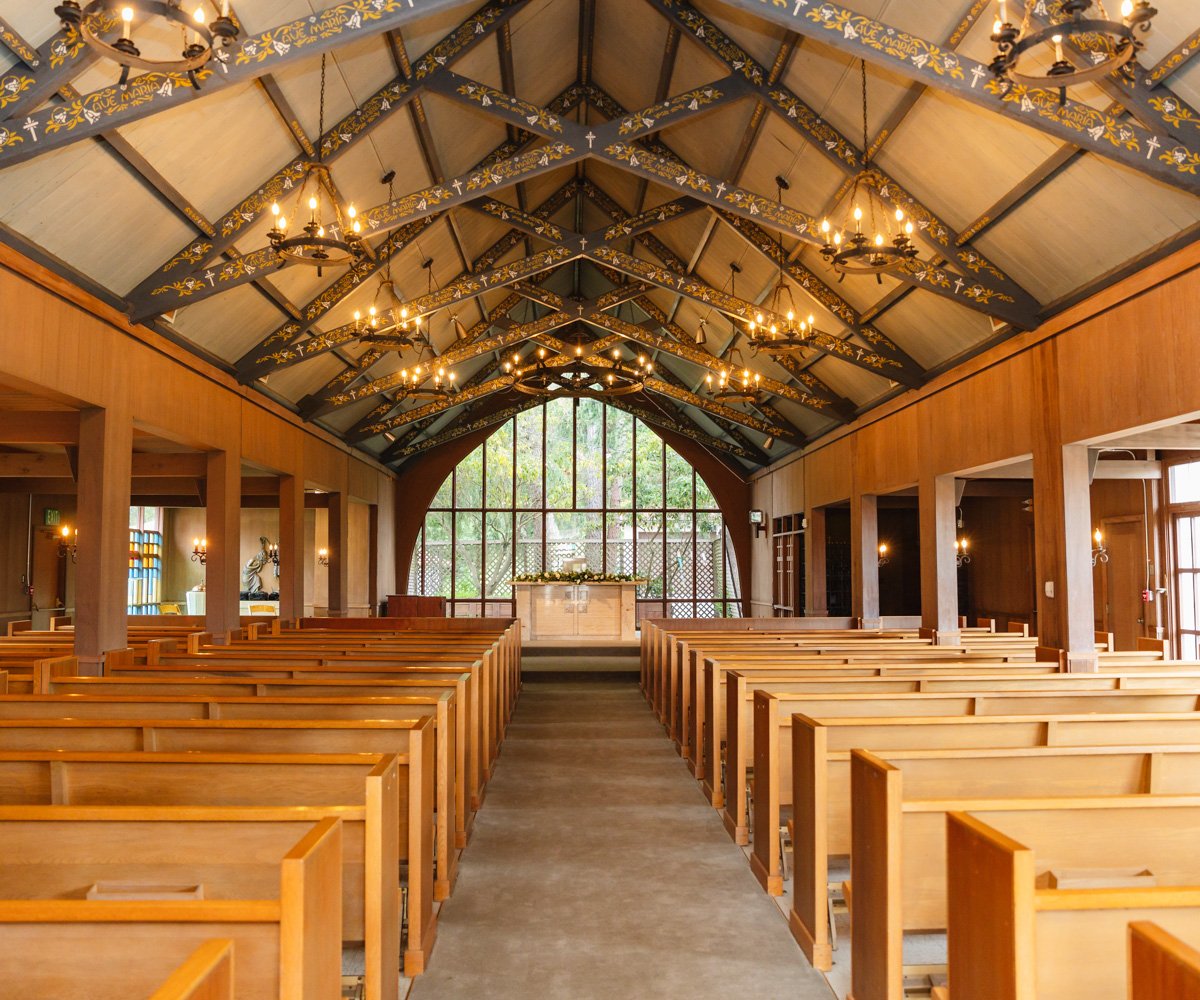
{"x": 720, "y": 189}
{"x": 977, "y": 74}
{"x": 958, "y": 283}
{"x": 457, "y": 185}
{"x": 31, "y": 127}
{"x": 1151, "y": 146}
{"x": 210, "y": 277}
{"x": 591, "y": 137}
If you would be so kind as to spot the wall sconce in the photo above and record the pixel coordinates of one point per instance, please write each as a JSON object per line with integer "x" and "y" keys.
{"x": 883, "y": 554}
{"x": 273, "y": 555}
{"x": 200, "y": 550}
{"x": 961, "y": 556}
{"x": 1099, "y": 552}
{"x": 322, "y": 557}
{"x": 758, "y": 518}
{"x": 68, "y": 542}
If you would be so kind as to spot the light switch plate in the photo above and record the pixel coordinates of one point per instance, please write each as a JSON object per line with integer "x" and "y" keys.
{"x": 1049, "y": 587}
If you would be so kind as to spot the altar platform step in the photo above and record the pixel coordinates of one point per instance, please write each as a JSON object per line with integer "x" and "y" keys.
{"x": 554, "y": 657}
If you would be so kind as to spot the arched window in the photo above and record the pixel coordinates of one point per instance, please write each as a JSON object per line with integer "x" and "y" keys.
{"x": 570, "y": 478}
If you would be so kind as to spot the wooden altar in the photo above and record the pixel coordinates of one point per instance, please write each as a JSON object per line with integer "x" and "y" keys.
{"x": 577, "y": 610}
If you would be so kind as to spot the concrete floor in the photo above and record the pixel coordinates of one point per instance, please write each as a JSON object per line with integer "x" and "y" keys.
{"x": 596, "y": 869}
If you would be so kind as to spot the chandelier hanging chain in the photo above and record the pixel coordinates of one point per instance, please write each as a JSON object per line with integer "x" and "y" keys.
{"x": 782, "y": 332}
{"x": 316, "y": 245}
{"x": 849, "y": 250}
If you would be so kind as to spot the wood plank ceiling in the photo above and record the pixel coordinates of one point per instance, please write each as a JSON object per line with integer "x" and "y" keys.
{"x": 586, "y": 173}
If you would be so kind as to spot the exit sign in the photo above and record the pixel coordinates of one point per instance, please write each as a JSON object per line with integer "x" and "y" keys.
{"x": 51, "y": 516}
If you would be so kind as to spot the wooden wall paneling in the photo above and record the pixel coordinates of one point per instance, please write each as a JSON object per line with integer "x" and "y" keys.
{"x": 1147, "y": 346}
{"x": 787, "y": 489}
{"x": 292, "y": 550}
{"x": 829, "y": 474}
{"x": 181, "y": 526}
{"x": 223, "y": 529}
{"x": 1001, "y": 570}
{"x": 105, "y": 463}
{"x": 864, "y": 558}
{"x": 886, "y": 456}
{"x": 385, "y": 541}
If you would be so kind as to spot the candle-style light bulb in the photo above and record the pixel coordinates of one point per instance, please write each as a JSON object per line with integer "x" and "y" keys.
{"x": 126, "y": 21}
{"x": 1058, "y": 51}
{"x": 899, "y": 215}
{"x": 825, "y": 226}
{"x": 1003, "y": 12}
{"x": 1127, "y": 9}
{"x": 1099, "y": 537}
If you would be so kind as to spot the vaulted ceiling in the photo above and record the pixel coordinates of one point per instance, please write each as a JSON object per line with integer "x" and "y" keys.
{"x": 586, "y": 172}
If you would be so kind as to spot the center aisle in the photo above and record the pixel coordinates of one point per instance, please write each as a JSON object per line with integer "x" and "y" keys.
{"x": 596, "y": 869}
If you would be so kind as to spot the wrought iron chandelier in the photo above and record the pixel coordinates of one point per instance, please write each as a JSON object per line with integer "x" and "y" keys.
{"x": 388, "y": 324}
{"x": 318, "y": 245}
{"x": 1108, "y": 45}
{"x": 97, "y": 24}
{"x": 734, "y": 386}
{"x": 426, "y": 382}
{"x": 886, "y": 244}
{"x": 785, "y": 332}
{"x": 577, "y": 377}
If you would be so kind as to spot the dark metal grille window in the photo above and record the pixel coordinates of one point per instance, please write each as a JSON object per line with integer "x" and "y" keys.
{"x": 569, "y": 479}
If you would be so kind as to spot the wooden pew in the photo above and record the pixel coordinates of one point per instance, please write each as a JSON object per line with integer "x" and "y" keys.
{"x": 707, "y": 759}
{"x": 900, "y": 803}
{"x": 478, "y": 716}
{"x": 109, "y": 950}
{"x": 415, "y": 821}
{"x": 1161, "y": 967}
{"x": 467, "y": 763}
{"x": 1013, "y": 937}
{"x": 206, "y": 975}
{"x": 487, "y": 708}
{"x": 771, "y": 741}
{"x": 365, "y": 791}
{"x": 440, "y": 708}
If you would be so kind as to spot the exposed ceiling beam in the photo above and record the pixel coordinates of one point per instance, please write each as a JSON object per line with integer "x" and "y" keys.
{"x": 1174, "y": 60}
{"x": 58, "y": 62}
{"x": 257, "y": 55}
{"x": 910, "y": 55}
{"x": 344, "y": 135}
{"x": 843, "y": 153}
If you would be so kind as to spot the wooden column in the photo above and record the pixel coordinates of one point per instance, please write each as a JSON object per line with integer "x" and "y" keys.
{"x": 339, "y": 540}
{"x": 373, "y": 596}
{"x": 1062, "y": 552}
{"x": 816, "y": 603}
{"x": 939, "y": 575}
{"x": 102, "y": 570}
{"x": 222, "y": 513}
{"x": 864, "y": 558}
{"x": 291, "y": 546}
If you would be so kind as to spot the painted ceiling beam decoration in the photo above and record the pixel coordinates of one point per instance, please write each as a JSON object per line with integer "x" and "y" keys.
{"x": 1173, "y": 61}
{"x": 655, "y": 341}
{"x": 512, "y": 110}
{"x": 313, "y": 403}
{"x": 334, "y": 294}
{"x": 608, "y": 204}
{"x": 811, "y": 384}
{"x": 261, "y": 53}
{"x": 489, "y": 387}
{"x": 18, "y": 46}
{"x": 484, "y": 262}
{"x": 974, "y": 10}
{"x": 711, "y": 406}
{"x": 461, "y": 429}
{"x": 59, "y": 61}
{"x": 671, "y": 173}
{"x": 337, "y": 140}
{"x": 897, "y": 365}
{"x": 465, "y": 287}
{"x": 839, "y": 150}
{"x": 1163, "y": 110}
{"x": 910, "y": 55}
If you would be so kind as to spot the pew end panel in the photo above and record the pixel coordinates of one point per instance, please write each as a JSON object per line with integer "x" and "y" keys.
{"x": 809, "y": 915}
{"x": 310, "y": 895}
{"x": 206, "y": 975}
{"x": 765, "y": 859}
{"x": 991, "y": 878}
{"x": 1161, "y": 966}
